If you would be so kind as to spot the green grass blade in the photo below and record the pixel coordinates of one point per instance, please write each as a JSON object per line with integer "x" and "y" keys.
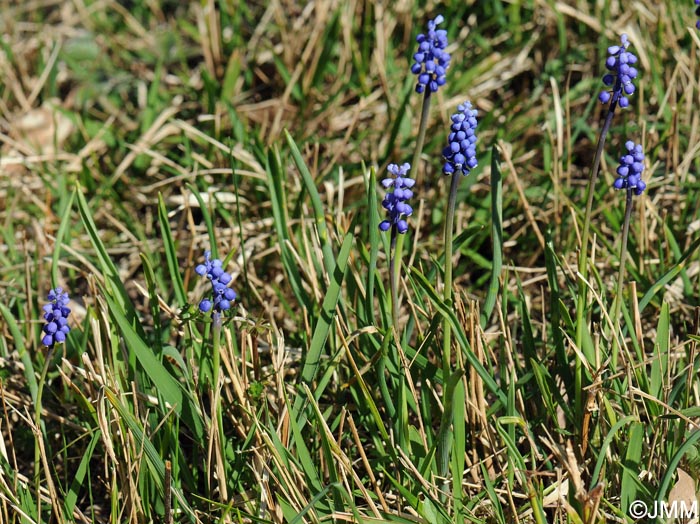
{"x": 25, "y": 357}
{"x": 318, "y": 340}
{"x": 461, "y": 337}
{"x": 668, "y": 276}
{"x": 278, "y": 200}
{"x": 372, "y": 209}
{"x": 496, "y": 235}
{"x": 603, "y": 453}
{"x": 459, "y": 445}
{"x": 80, "y": 472}
{"x": 662, "y": 493}
{"x": 113, "y": 280}
{"x": 154, "y": 460}
{"x": 171, "y": 253}
{"x": 319, "y": 213}
{"x": 168, "y": 388}
{"x": 659, "y": 364}
{"x": 60, "y": 234}
{"x": 632, "y": 466}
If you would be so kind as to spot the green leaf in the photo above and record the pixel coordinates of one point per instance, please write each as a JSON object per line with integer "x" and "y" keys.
{"x": 171, "y": 252}
{"x": 168, "y": 388}
{"x": 461, "y": 337}
{"x": 330, "y": 301}
{"x": 80, "y": 472}
{"x": 632, "y": 467}
{"x": 496, "y": 235}
{"x": 153, "y": 459}
{"x": 319, "y": 214}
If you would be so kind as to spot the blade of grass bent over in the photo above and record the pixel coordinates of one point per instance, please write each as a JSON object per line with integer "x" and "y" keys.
{"x": 319, "y": 215}
{"x": 318, "y": 339}
{"x": 168, "y": 388}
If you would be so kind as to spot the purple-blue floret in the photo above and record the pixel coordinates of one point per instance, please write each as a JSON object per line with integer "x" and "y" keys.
{"x": 56, "y": 316}
{"x": 223, "y": 295}
{"x": 620, "y": 63}
{"x": 395, "y": 202}
{"x": 431, "y": 60}
{"x": 629, "y": 172}
{"x": 460, "y": 153}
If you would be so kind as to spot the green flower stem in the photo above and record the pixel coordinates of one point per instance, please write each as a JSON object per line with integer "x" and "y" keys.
{"x": 394, "y": 272}
{"x": 445, "y": 441}
{"x": 617, "y": 303}
{"x": 39, "y": 432}
{"x": 582, "y": 299}
{"x": 422, "y": 126}
{"x": 216, "y": 431}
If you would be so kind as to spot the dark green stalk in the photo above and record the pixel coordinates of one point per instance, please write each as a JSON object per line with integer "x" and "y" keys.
{"x": 397, "y": 247}
{"x": 582, "y": 299}
{"x": 394, "y": 271}
{"x": 422, "y": 126}
{"x": 394, "y": 268}
{"x": 39, "y": 432}
{"x": 445, "y": 437}
{"x": 617, "y": 303}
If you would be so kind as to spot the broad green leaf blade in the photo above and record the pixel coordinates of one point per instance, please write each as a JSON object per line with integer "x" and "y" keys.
{"x": 632, "y": 466}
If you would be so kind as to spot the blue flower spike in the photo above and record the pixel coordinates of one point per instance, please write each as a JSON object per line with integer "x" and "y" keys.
{"x": 460, "y": 153}
{"x": 697, "y": 13}
{"x": 223, "y": 295}
{"x": 620, "y": 63}
{"x": 395, "y": 202}
{"x": 56, "y": 316}
{"x": 431, "y": 60}
{"x": 629, "y": 172}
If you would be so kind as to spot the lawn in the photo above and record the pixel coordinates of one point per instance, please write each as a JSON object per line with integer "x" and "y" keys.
{"x": 345, "y": 262}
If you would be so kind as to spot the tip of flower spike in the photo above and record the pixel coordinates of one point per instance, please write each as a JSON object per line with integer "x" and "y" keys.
{"x": 460, "y": 153}
{"x": 431, "y": 60}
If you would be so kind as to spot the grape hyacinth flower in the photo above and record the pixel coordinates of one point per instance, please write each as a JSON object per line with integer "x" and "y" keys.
{"x": 223, "y": 295}
{"x": 395, "y": 202}
{"x": 56, "y": 316}
{"x": 460, "y": 153}
{"x": 620, "y": 63}
{"x": 697, "y": 13}
{"x": 431, "y": 60}
{"x": 629, "y": 172}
